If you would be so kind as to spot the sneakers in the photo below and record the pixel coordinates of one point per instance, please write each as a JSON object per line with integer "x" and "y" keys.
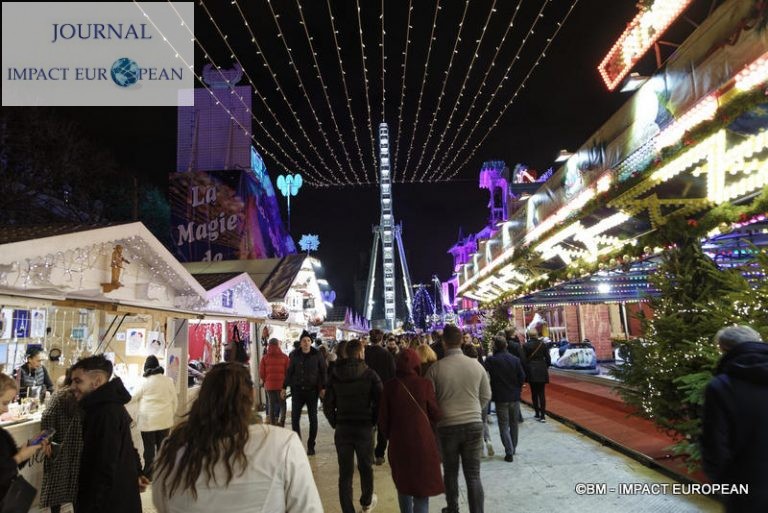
{"x": 489, "y": 448}
{"x": 509, "y": 458}
{"x": 374, "y": 501}
{"x": 379, "y": 460}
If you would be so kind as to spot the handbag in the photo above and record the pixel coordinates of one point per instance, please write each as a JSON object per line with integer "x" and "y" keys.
{"x": 19, "y": 497}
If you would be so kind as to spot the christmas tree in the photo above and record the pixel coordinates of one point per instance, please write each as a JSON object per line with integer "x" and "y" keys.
{"x": 667, "y": 370}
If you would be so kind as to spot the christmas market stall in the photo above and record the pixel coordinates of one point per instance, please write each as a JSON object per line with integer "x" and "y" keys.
{"x": 73, "y": 291}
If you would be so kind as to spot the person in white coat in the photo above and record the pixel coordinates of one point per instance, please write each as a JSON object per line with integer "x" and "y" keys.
{"x": 218, "y": 460}
{"x": 157, "y": 401}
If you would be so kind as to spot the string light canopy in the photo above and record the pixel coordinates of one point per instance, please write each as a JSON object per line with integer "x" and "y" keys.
{"x": 315, "y": 89}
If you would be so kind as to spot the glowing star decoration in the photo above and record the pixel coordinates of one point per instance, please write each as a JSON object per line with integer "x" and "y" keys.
{"x": 309, "y": 242}
{"x": 641, "y": 33}
{"x": 289, "y": 185}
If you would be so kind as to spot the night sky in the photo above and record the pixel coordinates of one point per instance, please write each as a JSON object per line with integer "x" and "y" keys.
{"x": 563, "y": 102}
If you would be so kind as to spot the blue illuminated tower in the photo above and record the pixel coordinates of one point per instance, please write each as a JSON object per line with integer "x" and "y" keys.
{"x": 389, "y": 234}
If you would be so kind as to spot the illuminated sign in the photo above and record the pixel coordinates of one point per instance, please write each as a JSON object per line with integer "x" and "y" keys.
{"x": 641, "y": 33}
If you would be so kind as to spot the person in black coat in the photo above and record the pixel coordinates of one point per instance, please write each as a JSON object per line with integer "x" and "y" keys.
{"x": 32, "y": 375}
{"x": 382, "y": 362}
{"x": 537, "y": 371}
{"x": 507, "y": 380}
{"x": 734, "y": 447}
{"x": 352, "y": 408}
{"x": 110, "y": 468}
{"x": 306, "y": 376}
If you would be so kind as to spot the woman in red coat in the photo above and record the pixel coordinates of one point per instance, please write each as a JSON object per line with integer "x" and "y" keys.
{"x": 272, "y": 373}
{"x": 407, "y": 415}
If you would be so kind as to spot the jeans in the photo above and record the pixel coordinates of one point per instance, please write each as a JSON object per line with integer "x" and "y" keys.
{"x": 354, "y": 441}
{"x": 507, "y": 415}
{"x": 463, "y": 442}
{"x": 151, "y": 441}
{"x": 299, "y": 398}
{"x": 275, "y": 407}
{"x": 538, "y": 398}
{"x": 411, "y": 504}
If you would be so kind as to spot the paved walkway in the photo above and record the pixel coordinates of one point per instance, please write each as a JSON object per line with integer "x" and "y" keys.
{"x": 551, "y": 460}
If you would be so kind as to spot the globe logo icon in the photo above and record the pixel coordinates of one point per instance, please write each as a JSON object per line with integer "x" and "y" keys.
{"x": 125, "y": 72}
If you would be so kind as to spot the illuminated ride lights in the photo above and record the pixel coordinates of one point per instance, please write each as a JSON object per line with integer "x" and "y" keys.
{"x": 641, "y": 33}
{"x": 752, "y": 75}
{"x": 704, "y": 110}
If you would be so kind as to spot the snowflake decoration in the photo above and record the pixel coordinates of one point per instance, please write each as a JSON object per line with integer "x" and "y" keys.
{"x": 309, "y": 242}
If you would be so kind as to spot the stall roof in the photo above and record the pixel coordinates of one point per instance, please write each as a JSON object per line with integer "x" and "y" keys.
{"x": 273, "y": 276}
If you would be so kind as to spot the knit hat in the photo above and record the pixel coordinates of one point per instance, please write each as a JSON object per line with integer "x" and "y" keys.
{"x": 305, "y": 333}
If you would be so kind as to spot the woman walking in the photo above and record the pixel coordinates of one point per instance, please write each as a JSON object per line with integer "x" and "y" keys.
{"x": 157, "y": 401}
{"x": 538, "y": 361}
{"x": 407, "y": 416}
{"x": 215, "y": 460}
{"x": 272, "y": 373}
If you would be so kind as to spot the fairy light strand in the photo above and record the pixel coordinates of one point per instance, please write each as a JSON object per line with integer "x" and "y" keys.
{"x": 499, "y": 87}
{"x": 289, "y": 51}
{"x": 325, "y": 93}
{"x": 346, "y": 91}
{"x": 232, "y": 117}
{"x": 456, "y": 104}
{"x": 268, "y": 133}
{"x": 477, "y": 95}
{"x": 261, "y": 97}
{"x": 402, "y": 89}
{"x": 279, "y": 87}
{"x": 517, "y": 92}
{"x": 421, "y": 92}
{"x": 367, "y": 94}
{"x": 442, "y": 92}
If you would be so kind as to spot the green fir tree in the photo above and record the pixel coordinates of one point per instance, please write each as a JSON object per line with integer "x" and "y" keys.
{"x": 668, "y": 368}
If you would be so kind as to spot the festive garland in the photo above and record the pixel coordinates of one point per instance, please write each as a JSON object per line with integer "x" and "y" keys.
{"x": 737, "y": 105}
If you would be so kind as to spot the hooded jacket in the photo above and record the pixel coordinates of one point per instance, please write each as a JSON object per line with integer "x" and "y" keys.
{"x": 407, "y": 417}
{"x": 733, "y": 444}
{"x": 110, "y": 465}
{"x": 353, "y": 394}
{"x": 272, "y": 367}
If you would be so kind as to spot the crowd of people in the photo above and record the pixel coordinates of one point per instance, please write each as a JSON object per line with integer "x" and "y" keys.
{"x": 419, "y": 402}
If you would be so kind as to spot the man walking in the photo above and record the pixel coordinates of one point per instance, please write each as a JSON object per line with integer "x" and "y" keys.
{"x": 382, "y": 362}
{"x": 507, "y": 379}
{"x": 734, "y": 447}
{"x": 352, "y": 407}
{"x": 110, "y": 467}
{"x": 462, "y": 389}
{"x": 306, "y": 376}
